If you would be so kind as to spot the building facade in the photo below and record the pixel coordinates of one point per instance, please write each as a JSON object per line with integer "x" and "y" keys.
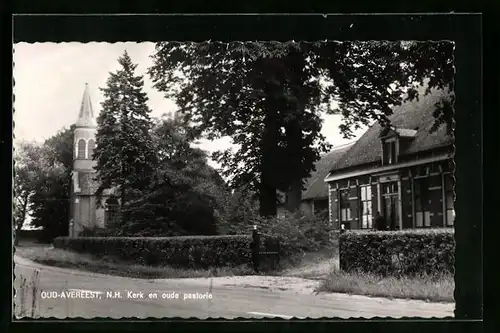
{"x": 85, "y": 211}
{"x": 403, "y": 173}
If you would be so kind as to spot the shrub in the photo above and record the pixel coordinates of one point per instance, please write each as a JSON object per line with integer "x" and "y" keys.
{"x": 297, "y": 234}
{"x": 182, "y": 251}
{"x": 407, "y": 252}
{"x": 96, "y": 231}
{"x": 38, "y": 236}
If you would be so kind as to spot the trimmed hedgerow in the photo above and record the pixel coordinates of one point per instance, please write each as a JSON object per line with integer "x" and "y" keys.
{"x": 407, "y": 252}
{"x": 182, "y": 251}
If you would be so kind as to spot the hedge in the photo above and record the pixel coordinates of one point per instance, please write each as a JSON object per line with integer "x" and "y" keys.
{"x": 407, "y": 252}
{"x": 182, "y": 251}
{"x": 38, "y": 235}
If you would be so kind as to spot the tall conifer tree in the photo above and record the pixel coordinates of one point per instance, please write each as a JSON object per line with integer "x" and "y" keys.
{"x": 124, "y": 149}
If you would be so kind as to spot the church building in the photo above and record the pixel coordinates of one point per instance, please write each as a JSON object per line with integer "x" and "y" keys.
{"x": 85, "y": 212}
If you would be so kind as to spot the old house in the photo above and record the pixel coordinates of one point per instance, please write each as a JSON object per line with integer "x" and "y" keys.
{"x": 403, "y": 172}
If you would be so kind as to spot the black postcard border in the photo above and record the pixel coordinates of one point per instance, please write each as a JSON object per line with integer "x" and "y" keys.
{"x": 464, "y": 29}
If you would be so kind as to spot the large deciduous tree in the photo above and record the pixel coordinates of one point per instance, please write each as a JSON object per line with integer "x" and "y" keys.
{"x": 185, "y": 193}
{"x": 27, "y": 158}
{"x": 52, "y": 167}
{"x": 268, "y": 97}
{"x": 124, "y": 148}
{"x": 244, "y": 91}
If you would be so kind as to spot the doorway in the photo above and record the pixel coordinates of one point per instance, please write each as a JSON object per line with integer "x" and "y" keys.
{"x": 390, "y": 205}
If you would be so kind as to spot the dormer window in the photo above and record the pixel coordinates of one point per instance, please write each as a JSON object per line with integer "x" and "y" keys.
{"x": 394, "y": 142}
{"x": 389, "y": 151}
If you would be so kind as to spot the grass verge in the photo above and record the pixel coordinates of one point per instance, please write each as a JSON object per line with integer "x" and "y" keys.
{"x": 429, "y": 288}
{"x": 107, "y": 265}
{"x": 26, "y": 296}
{"x": 439, "y": 288}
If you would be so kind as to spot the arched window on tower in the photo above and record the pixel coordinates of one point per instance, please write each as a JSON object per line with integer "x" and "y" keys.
{"x": 90, "y": 148}
{"x": 80, "y": 152}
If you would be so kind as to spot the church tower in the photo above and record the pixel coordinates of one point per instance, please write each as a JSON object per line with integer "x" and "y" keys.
{"x": 84, "y": 211}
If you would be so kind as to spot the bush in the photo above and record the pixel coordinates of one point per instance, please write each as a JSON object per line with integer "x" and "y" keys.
{"x": 298, "y": 234}
{"x": 38, "y": 236}
{"x": 407, "y": 252}
{"x": 181, "y": 252}
{"x": 96, "y": 231}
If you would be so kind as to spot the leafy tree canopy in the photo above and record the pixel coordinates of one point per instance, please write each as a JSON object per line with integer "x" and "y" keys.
{"x": 50, "y": 169}
{"x": 185, "y": 194}
{"x": 268, "y": 96}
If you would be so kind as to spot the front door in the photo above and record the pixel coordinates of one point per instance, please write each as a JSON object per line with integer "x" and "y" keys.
{"x": 390, "y": 200}
{"x": 391, "y": 211}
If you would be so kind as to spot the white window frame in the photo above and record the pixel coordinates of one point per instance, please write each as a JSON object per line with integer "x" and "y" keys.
{"x": 366, "y": 200}
{"x": 391, "y": 158}
{"x": 345, "y": 213}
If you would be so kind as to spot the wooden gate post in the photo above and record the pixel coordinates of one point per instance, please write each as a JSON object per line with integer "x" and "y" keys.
{"x": 255, "y": 248}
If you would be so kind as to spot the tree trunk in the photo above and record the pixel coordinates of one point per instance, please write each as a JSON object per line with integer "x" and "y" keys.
{"x": 21, "y": 219}
{"x": 122, "y": 204}
{"x": 294, "y": 153}
{"x": 267, "y": 191}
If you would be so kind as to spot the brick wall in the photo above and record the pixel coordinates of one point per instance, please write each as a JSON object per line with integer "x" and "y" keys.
{"x": 435, "y": 201}
{"x": 333, "y": 205}
{"x": 406, "y": 203}
{"x": 374, "y": 201}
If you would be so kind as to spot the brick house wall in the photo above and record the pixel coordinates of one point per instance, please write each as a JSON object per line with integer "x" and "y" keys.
{"x": 407, "y": 203}
{"x": 434, "y": 199}
{"x": 374, "y": 200}
{"x": 333, "y": 205}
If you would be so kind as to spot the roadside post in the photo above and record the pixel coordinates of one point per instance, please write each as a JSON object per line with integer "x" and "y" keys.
{"x": 255, "y": 245}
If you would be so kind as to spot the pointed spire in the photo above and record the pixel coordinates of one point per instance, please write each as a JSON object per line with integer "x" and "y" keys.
{"x": 86, "y": 117}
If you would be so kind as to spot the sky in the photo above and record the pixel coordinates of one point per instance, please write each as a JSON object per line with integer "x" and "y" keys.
{"x": 49, "y": 79}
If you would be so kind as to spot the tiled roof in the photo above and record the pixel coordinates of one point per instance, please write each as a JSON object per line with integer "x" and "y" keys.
{"x": 315, "y": 186}
{"x": 415, "y": 115}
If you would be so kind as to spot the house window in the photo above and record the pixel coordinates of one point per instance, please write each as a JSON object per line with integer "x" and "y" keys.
{"x": 422, "y": 212}
{"x": 366, "y": 207}
{"x": 345, "y": 208}
{"x": 450, "y": 197}
{"x": 389, "y": 152}
{"x": 80, "y": 152}
{"x": 390, "y": 188}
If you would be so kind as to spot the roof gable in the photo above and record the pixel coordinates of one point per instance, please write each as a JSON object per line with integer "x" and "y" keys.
{"x": 412, "y": 120}
{"x": 315, "y": 186}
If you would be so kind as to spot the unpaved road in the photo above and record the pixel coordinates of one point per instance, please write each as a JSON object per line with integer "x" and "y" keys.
{"x": 232, "y": 297}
